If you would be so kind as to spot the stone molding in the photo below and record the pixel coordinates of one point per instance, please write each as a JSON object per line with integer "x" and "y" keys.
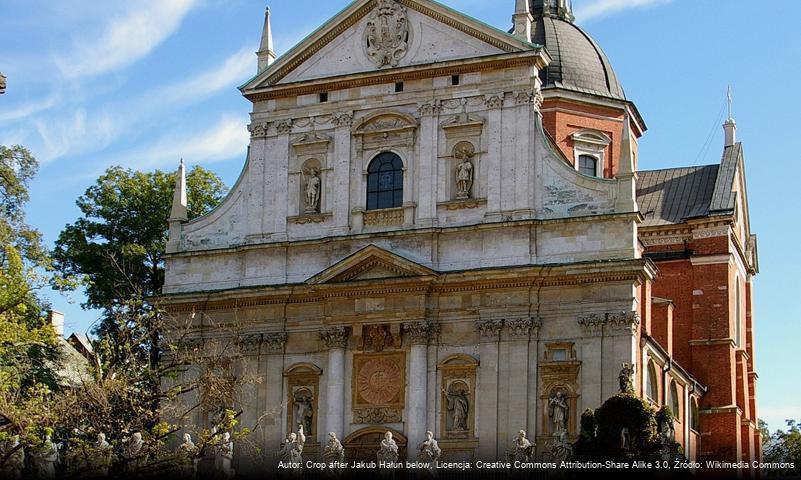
{"x": 274, "y": 341}
{"x": 711, "y": 232}
{"x": 520, "y": 328}
{"x": 377, "y": 415}
{"x": 334, "y": 337}
{"x": 419, "y": 333}
{"x": 489, "y": 330}
{"x": 616, "y": 322}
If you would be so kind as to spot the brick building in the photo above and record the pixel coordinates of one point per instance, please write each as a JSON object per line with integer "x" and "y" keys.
{"x": 444, "y": 226}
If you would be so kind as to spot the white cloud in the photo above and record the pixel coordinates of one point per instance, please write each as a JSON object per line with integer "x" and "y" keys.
{"x": 28, "y": 109}
{"x": 126, "y": 39}
{"x": 224, "y": 140}
{"x": 73, "y": 134}
{"x": 238, "y": 67}
{"x": 600, "y": 8}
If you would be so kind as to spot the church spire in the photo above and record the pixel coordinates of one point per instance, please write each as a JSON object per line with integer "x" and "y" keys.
{"x": 266, "y": 53}
{"x": 553, "y": 8}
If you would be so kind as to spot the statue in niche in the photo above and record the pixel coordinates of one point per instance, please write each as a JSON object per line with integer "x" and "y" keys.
{"x": 626, "y": 378}
{"x": 557, "y": 411}
{"x": 312, "y": 190}
{"x": 388, "y": 453}
{"x": 464, "y": 170}
{"x": 304, "y": 409}
{"x": 625, "y": 439}
{"x": 457, "y": 406}
{"x": 522, "y": 448}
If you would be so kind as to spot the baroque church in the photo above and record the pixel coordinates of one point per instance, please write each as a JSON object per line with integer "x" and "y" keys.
{"x": 442, "y": 225}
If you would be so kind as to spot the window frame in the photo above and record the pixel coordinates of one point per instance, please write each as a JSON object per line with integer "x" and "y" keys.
{"x": 376, "y": 196}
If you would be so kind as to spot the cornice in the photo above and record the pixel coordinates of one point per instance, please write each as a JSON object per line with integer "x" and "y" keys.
{"x": 413, "y": 72}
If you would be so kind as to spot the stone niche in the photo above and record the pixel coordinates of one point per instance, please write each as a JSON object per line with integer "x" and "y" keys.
{"x": 303, "y": 384}
{"x": 462, "y": 143}
{"x": 559, "y": 373}
{"x": 309, "y": 159}
{"x": 378, "y": 388}
{"x": 457, "y": 380}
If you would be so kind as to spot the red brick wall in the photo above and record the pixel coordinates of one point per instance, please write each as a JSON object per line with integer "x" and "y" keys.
{"x": 562, "y": 118}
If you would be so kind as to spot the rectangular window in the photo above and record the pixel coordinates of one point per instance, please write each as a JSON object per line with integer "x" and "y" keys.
{"x": 588, "y": 165}
{"x": 559, "y": 355}
{"x": 398, "y": 87}
{"x": 323, "y": 97}
{"x": 455, "y": 80}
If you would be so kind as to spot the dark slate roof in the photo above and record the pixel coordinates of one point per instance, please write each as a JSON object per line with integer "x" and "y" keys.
{"x": 578, "y": 63}
{"x": 724, "y": 199}
{"x": 674, "y": 195}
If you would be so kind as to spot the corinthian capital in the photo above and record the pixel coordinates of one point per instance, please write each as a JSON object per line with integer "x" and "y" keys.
{"x": 274, "y": 342}
{"x": 419, "y": 333}
{"x": 489, "y": 330}
{"x": 334, "y": 337}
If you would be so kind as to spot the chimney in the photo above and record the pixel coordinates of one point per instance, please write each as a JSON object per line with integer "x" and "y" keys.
{"x": 56, "y": 319}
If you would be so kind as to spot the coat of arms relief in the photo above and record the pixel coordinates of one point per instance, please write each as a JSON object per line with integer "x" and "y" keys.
{"x": 386, "y": 37}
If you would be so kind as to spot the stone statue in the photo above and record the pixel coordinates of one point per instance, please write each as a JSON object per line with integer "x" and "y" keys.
{"x": 312, "y": 199}
{"x": 292, "y": 450}
{"x": 224, "y": 456}
{"x": 12, "y": 468}
{"x": 464, "y": 174}
{"x": 522, "y": 448}
{"x": 429, "y": 452}
{"x": 304, "y": 411}
{"x": 560, "y": 447}
{"x": 667, "y": 431}
{"x": 2, "y": 83}
{"x": 334, "y": 455}
{"x": 625, "y": 439}
{"x": 557, "y": 411}
{"x": 43, "y": 460}
{"x": 103, "y": 452}
{"x": 388, "y": 453}
{"x": 626, "y": 378}
{"x": 187, "y": 451}
{"x": 133, "y": 452}
{"x": 458, "y": 406}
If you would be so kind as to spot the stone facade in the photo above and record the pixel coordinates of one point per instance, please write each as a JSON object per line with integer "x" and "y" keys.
{"x": 463, "y": 308}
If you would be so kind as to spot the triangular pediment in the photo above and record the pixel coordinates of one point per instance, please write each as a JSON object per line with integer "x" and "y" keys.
{"x": 371, "y": 263}
{"x": 417, "y": 32}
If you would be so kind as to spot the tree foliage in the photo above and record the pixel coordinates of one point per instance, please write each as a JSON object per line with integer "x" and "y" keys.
{"x": 783, "y": 446}
{"x": 118, "y": 244}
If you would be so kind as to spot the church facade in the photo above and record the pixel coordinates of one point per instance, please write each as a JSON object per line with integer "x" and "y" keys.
{"x": 443, "y": 226}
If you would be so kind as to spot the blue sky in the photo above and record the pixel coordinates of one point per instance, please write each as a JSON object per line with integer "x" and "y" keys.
{"x": 141, "y": 83}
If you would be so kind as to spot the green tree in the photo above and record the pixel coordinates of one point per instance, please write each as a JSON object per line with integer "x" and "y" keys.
{"x": 784, "y": 446}
{"x": 117, "y": 246}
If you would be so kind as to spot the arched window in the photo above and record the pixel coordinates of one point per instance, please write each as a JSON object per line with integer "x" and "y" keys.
{"x": 385, "y": 182}
{"x": 674, "y": 399}
{"x": 588, "y": 165}
{"x": 652, "y": 387}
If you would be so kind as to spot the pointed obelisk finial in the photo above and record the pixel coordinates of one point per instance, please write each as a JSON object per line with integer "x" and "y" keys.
{"x": 266, "y": 53}
{"x": 730, "y": 127}
{"x": 178, "y": 213}
{"x": 522, "y": 20}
